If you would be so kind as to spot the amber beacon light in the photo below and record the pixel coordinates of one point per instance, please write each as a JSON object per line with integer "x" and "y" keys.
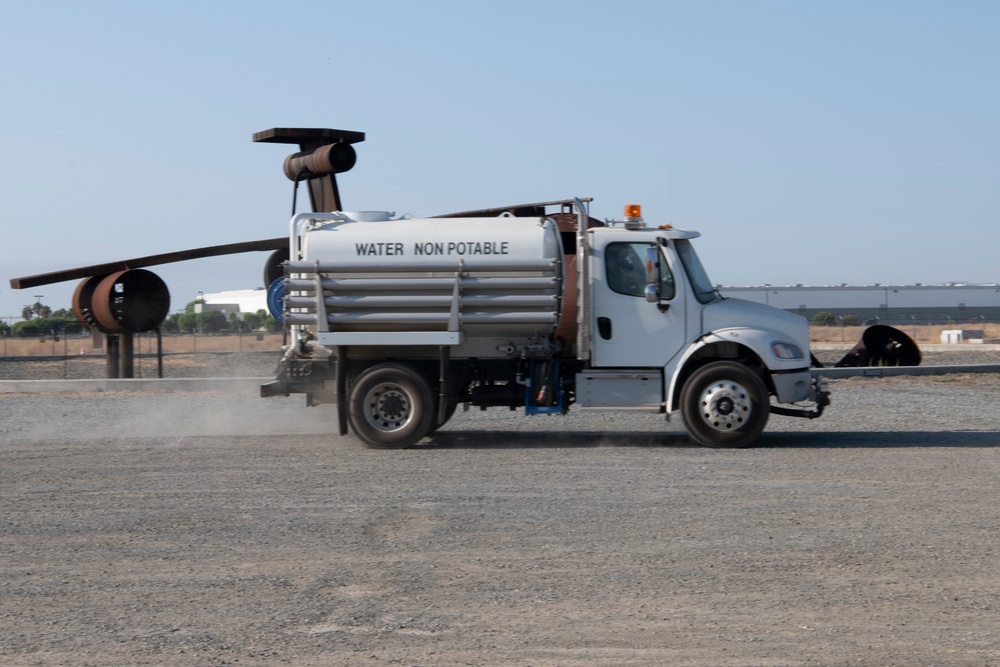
{"x": 633, "y": 211}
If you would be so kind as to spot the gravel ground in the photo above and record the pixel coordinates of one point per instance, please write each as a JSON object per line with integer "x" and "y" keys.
{"x": 218, "y": 528}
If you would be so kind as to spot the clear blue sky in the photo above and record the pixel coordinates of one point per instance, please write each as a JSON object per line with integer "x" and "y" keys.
{"x": 815, "y": 142}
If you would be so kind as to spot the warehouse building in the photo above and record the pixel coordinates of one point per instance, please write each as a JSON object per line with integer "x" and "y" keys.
{"x": 886, "y": 304}
{"x": 235, "y": 301}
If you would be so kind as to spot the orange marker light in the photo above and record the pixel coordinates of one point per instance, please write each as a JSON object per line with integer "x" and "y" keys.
{"x": 633, "y": 211}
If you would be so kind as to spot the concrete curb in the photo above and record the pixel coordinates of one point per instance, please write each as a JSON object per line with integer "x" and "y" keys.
{"x": 241, "y": 385}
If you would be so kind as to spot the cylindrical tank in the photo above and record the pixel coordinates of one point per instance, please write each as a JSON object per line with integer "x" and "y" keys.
{"x": 364, "y": 237}
{"x": 398, "y": 275}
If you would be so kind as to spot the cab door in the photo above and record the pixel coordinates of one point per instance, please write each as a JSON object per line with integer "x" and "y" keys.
{"x": 627, "y": 330}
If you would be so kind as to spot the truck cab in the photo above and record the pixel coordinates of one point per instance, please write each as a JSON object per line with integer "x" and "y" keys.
{"x": 663, "y": 339}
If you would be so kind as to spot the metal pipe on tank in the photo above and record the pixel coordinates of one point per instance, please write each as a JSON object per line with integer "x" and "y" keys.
{"x": 365, "y": 266}
{"x": 469, "y": 301}
{"x": 582, "y": 276}
{"x": 469, "y": 283}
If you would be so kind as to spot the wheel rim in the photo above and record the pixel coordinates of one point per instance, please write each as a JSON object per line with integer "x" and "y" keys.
{"x": 388, "y": 407}
{"x": 725, "y": 406}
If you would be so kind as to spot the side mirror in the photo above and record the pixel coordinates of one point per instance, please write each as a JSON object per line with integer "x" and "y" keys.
{"x": 652, "y": 292}
{"x": 651, "y": 265}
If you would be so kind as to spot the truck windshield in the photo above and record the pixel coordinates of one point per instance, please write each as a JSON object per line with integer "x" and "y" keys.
{"x": 702, "y": 286}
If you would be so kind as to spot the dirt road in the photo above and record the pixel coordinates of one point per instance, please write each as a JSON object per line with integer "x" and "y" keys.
{"x": 214, "y": 529}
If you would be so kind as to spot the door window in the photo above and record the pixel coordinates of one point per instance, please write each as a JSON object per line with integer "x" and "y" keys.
{"x": 624, "y": 265}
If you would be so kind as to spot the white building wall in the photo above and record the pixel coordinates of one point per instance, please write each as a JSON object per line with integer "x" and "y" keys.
{"x": 237, "y": 301}
{"x": 890, "y": 303}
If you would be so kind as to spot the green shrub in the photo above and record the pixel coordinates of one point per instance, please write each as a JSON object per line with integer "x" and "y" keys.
{"x": 851, "y": 321}
{"x": 824, "y": 319}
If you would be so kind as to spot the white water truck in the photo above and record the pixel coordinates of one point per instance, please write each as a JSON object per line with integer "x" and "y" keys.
{"x": 399, "y": 320}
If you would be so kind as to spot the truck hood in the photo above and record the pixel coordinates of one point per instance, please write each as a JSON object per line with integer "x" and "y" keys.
{"x": 728, "y": 313}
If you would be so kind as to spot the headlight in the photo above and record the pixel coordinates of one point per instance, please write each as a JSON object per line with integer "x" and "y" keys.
{"x": 786, "y": 350}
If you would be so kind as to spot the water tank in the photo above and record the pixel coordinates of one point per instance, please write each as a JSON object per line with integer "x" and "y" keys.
{"x": 485, "y": 277}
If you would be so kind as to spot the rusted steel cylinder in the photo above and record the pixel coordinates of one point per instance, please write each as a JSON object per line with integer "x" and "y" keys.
{"x": 130, "y": 301}
{"x": 329, "y": 159}
{"x": 83, "y": 298}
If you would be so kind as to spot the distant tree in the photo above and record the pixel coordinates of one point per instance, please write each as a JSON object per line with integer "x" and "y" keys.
{"x": 236, "y": 322}
{"x": 170, "y": 324}
{"x": 58, "y": 325}
{"x": 4, "y": 329}
{"x": 271, "y": 325}
{"x": 211, "y": 321}
{"x": 254, "y": 321}
{"x": 823, "y": 319}
{"x": 851, "y": 321}
{"x": 36, "y": 309}
{"x": 187, "y": 322}
{"x": 27, "y": 329}
{"x": 43, "y": 322}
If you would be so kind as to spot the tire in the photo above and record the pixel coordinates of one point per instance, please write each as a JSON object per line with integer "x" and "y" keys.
{"x": 391, "y": 406}
{"x": 725, "y": 404}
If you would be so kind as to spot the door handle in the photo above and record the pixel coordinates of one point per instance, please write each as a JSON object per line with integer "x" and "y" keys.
{"x": 604, "y": 327}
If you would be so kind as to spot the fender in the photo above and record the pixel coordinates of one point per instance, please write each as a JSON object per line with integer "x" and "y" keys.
{"x": 758, "y": 341}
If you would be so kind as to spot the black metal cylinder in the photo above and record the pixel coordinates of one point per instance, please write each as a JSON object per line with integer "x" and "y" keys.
{"x": 881, "y": 345}
{"x": 329, "y": 159}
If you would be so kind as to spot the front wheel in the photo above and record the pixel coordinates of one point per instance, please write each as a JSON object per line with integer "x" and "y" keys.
{"x": 391, "y": 406}
{"x": 724, "y": 404}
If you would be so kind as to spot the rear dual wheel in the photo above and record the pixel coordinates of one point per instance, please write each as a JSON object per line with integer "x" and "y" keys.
{"x": 391, "y": 406}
